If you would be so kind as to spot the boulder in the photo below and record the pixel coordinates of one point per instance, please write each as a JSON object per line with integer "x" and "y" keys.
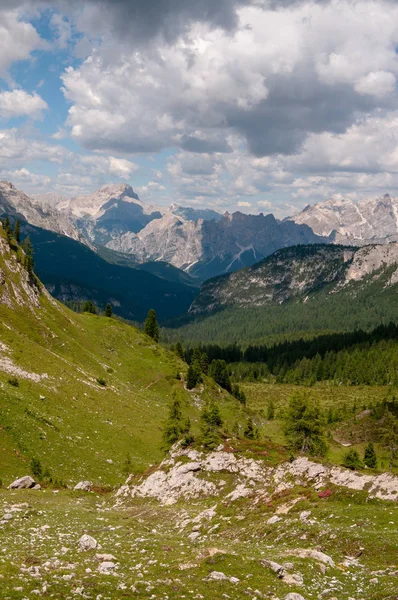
{"x": 294, "y": 596}
{"x": 83, "y": 486}
{"x": 87, "y": 542}
{"x": 23, "y": 483}
{"x": 106, "y": 567}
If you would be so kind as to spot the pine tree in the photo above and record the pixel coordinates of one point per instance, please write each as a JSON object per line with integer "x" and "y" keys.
{"x": 352, "y": 460}
{"x": 370, "y": 458}
{"x": 174, "y": 426}
{"x": 180, "y": 351}
{"x": 17, "y": 231}
{"x": 211, "y": 423}
{"x": 194, "y": 375}
{"x": 108, "y": 310}
{"x": 89, "y": 307}
{"x": 389, "y": 435}
{"x": 250, "y": 431}
{"x": 7, "y": 229}
{"x": 219, "y": 372}
{"x": 151, "y": 326}
{"x": 29, "y": 262}
{"x": 304, "y": 427}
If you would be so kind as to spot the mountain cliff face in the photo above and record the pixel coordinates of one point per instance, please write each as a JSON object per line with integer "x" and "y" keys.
{"x": 206, "y": 248}
{"x": 347, "y": 222}
{"x": 298, "y": 273}
{"x": 15, "y": 203}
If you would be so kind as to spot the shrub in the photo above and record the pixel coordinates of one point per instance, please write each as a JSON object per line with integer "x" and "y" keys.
{"x": 101, "y": 381}
{"x": 13, "y": 381}
{"x": 352, "y": 460}
{"x": 36, "y": 468}
{"x": 370, "y": 458}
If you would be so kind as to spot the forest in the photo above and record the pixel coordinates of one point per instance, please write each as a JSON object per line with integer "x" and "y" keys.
{"x": 352, "y": 358}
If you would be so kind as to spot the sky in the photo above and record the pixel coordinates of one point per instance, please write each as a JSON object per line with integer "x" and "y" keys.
{"x": 251, "y": 105}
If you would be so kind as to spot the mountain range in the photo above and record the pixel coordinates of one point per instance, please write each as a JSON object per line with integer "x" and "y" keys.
{"x": 112, "y": 247}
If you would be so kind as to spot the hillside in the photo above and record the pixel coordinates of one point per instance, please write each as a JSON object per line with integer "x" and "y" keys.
{"x": 296, "y": 290}
{"x": 79, "y": 392}
{"x": 73, "y": 272}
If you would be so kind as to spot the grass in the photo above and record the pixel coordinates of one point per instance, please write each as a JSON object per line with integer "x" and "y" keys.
{"x": 156, "y": 559}
{"x": 85, "y": 391}
{"x": 356, "y": 430}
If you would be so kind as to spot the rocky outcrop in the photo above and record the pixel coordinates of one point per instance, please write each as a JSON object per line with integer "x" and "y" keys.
{"x": 23, "y": 483}
{"x": 187, "y": 474}
{"x": 299, "y": 273}
{"x": 15, "y": 203}
{"x": 346, "y": 222}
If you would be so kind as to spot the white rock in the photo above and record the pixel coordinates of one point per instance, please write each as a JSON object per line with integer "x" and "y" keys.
{"x": 7, "y": 517}
{"x": 84, "y": 486}
{"x": 294, "y": 596}
{"x": 87, "y": 542}
{"x": 105, "y": 557}
{"x": 273, "y": 520}
{"x": 23, "y": 483}
{"x": 106, "y": 567}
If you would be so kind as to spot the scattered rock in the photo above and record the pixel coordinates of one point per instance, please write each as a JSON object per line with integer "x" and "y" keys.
{"x": 106, "y": 567}
{"x": 275, "y": 567}
{"x": 105, "y": 557}
{"x": 23, "y": 483}
{"x": 87, "y": 542}
{"x": 294, "y": 596}
{"x": 273, "y": 520}
{"x": 83, "y": 486}
{"x": 219, "y": 576}
{"x": 315, "y": 554}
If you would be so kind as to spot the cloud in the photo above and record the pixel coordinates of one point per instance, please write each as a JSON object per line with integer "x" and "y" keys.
{"x": 19, "y": 103}
{"x": 18, "y": 39}
{"x": 17, "y": 147}
{"x": 277, "y": 77}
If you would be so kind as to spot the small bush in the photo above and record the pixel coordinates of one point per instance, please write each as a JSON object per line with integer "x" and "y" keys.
{"x": 352, "y": 460}
{"x": 101, "y": 381}
{"x": 13, "y": 381}
{"x": 36, "y": 468}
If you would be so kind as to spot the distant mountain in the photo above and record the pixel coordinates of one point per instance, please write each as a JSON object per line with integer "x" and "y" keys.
{"x": 373, "y": 220}
{"x": 72, "y": 271}
{"x": 205, "y": 248}
{"x": 109, "y": 213}
{"x": 15, "y": 203}
{"x": 297, "y": 273}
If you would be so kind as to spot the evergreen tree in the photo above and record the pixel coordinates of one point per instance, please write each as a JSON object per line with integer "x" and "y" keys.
{"x": 180, "y": 351}
{"x": 211, "y": 423}
{"x": 219, "y": 372}
{"x": 204, "y": 363}
{"x": 352, "y": 460}
{"x": 304, "y": 427}
{"x": 29, "y": 262}
{"x": 174, "y": 427}
{"x": 370, "y": 458}
{"x": 389, "y": 436}
{"x": 250, "y": 431}
{"x": 194, "y": 375}
{"x": 108, "y": 310}
{"x": 89, "y": 307}
{"x": 17, "y": 231}
{"x": 7, "y": 229}
{"x": 151, "y": 326}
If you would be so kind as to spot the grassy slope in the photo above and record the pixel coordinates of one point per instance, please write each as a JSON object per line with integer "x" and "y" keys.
{"x": 75, "y": 427}
{"x": 375, "y": 303}
{"x": 357, "y": 430}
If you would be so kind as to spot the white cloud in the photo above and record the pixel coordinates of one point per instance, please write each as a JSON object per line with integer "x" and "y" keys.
{"x": 17, "y": 103}
{"x": 17, "y": 40}
{"x": 244, "y": 204}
